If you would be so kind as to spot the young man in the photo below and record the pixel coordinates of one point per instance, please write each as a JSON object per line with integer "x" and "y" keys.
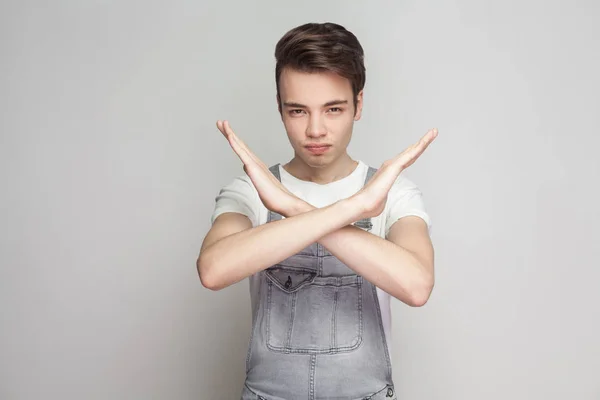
{"x": 325, "y": 240}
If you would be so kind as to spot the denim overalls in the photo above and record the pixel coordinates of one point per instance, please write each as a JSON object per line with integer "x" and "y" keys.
{"x": 317, "y": 331}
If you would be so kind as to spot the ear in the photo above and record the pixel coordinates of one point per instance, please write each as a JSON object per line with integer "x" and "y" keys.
{"x": 359, "y": 105}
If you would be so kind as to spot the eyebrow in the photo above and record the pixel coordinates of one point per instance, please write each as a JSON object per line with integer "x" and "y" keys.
{"x": 328, "y": 104}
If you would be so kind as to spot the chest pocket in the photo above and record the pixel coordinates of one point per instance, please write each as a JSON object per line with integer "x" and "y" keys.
{"x": 311, "y": 314}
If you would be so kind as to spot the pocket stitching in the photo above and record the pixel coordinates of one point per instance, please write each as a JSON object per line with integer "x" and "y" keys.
{"x": 272, "y": 278}
{"x": 356, "y": 342}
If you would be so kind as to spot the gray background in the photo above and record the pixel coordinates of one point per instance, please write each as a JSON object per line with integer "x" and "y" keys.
{"x": 110, "y": 162}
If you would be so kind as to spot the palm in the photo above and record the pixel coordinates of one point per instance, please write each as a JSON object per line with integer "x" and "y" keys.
{"x": 374, "y": 194}
{"x": 271, "y": 192}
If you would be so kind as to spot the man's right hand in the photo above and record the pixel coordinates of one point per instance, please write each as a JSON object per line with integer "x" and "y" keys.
{"x": 271, "y": 191}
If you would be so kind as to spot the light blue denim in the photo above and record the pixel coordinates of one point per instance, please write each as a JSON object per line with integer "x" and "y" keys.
{"x": 317, "y": 331}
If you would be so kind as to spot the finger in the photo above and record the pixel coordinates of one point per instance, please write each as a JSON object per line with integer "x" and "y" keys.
{"x": 248, "y": 152}
{"x": 245, "y": 154}
{"x": 231, "y": 133}
{"x": 235, "y": 140}
{"x": 412, "y": 153}
{"x": 238, "y": 145}
{"x": 427, "y": 138}
{"x": 424, "y": 142}
{"x": 220, "y": 127}
{"x": 243, "y": 145}
{"x": 223, "y": 126}
{"x": 240, "y": 151}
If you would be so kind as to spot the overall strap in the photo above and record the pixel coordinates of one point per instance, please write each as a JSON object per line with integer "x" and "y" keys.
{"x": 366, "y": 222}
{"x": 363, "y": 223}
{"x": 273, "y": 216}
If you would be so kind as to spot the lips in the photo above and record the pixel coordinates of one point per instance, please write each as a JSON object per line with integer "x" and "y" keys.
{"x": 318, "y": 148}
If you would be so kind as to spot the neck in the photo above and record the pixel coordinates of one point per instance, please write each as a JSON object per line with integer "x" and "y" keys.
{"x": 321, "y": 174}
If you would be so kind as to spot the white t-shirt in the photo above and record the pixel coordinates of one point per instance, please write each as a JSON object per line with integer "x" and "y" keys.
{"x": 404, "y": 199}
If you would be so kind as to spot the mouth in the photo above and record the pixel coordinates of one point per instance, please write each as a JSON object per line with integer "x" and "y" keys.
{"x": 318, "y": 149}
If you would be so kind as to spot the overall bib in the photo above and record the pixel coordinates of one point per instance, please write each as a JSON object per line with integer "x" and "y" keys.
{"x": 317, "y": 331}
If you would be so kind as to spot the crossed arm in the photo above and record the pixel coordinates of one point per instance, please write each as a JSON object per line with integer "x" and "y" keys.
{"x": 402, "y": 265}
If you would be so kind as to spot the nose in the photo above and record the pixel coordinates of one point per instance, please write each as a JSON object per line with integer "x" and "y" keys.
{"x": 316, "y": 127}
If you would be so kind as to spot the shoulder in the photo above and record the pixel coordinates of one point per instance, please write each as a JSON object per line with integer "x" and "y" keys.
{"x": 405, "y": 198}
{"x": 238, "y": 195}
{"x": 242, "y": 182}
{"x": 404, "y": 185}
{"x": 239, "y": 186}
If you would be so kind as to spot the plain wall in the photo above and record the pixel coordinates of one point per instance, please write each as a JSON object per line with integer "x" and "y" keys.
{"x": 110, "y": 162}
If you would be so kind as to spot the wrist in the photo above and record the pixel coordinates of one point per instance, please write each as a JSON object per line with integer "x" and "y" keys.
{"x": 299, "y": 207}
{"x": 351, "y": 208}
{"x": 357, "y": 204}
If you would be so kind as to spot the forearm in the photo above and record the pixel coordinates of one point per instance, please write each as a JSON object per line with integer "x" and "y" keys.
{"x": 242, "y": 254}
{"x": 388, "y": 266}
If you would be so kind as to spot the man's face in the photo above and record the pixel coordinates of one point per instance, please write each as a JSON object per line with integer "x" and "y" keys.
{"x": 318, "y": 109}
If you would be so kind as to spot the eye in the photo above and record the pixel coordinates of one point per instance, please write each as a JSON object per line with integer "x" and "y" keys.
{"x": 296, "y": 112}
{"x": 335, "y": 109}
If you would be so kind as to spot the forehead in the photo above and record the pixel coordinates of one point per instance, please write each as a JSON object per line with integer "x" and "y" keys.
{"x": 313, "y": 88}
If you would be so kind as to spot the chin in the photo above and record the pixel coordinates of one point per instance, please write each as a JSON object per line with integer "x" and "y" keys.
{"x": 318, "y": 162}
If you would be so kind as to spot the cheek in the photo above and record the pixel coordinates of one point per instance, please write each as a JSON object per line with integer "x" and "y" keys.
{"x": 343, "y": 125}
{"x": 294, "y": 126}
{"x": 294, "y": 129}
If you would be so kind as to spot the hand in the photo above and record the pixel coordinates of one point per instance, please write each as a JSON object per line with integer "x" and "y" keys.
{"x": 373, "y": 196}
{"x": 271, "y": 192}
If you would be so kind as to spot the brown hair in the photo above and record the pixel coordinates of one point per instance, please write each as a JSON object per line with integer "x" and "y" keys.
{"x": 317, "y": 47}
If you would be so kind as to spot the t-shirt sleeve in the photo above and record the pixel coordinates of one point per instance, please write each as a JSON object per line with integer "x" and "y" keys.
{"x": 238, "y": 196}
{"x": 405, "y": 199}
